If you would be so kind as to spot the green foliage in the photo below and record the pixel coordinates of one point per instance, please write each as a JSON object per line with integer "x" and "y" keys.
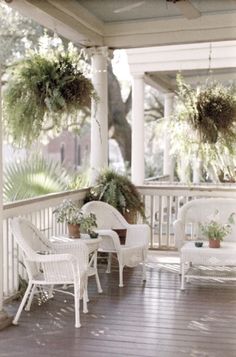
{"x": 69, "y": 212}
{"x": 118, "y": 191}
{"x": 217, "y": 160}
{"x": 79, "y": 181}
{"x": 215, "y": 230}
{"x": 33, "y": 176}
{"x": 211, "y": 111}
{"x": 41, "y": 92}
{"x": 17, "y": 33}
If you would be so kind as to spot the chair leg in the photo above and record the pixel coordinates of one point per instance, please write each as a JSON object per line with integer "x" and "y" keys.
{"x": 50, "y": 292}
{"x": 96, "y": 274}
{"x": 77, "y": 302}
{"x": 85, "y": 300}
{"x": 144, "y": 270}
{"x": 28, "y": 305}
{"x": 98, "y": 283}
{"x": 182, "y": 276}
{"x": 121, "y": 275}
{"x": 22, "y": 304}
{"x": 109, "y": 263}
{"x": 86, "y": 289}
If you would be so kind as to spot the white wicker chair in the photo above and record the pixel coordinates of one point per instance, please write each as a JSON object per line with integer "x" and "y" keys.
{"x": 197, "y": 211}
{"x": 45, "y": 267}
{"x": 137, "y": 239}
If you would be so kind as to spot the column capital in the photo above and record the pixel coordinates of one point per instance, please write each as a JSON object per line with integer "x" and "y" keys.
{"x": 169, "y": 95}
{"x": 138, "y": 75}
{"x": 93, "y": 51}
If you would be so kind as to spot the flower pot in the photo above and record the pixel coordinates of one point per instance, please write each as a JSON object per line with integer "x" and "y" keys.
{"x": 74, "y": 230}
{"x": 122, "y": 235}
{"x": 131, "y": 216}
{"x": 214, "y": 243}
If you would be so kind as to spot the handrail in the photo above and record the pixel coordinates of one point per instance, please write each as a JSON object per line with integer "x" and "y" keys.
{"x": 162, "y": 203}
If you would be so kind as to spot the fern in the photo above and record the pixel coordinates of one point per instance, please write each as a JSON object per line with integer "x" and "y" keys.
{"x": 42, "y": 90}
{"x": 118, "y": 191}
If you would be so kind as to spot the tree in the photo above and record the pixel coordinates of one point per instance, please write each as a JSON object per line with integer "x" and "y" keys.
{"x": 119, "y": 127}
{"x": 17, "y": 34}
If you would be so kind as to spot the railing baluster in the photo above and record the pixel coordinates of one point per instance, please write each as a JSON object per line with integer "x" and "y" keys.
{"x": 152, "y": 221}
{"x": 160, "y": 222}
{"x": 159, "y": 198}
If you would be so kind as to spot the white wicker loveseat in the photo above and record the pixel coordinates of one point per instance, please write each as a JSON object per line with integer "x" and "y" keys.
{"x": 215, "y": 263}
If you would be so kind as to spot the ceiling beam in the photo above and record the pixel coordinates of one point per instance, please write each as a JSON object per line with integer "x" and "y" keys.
{"x": 54, "y": 18}
{"x": 210, "y": 27}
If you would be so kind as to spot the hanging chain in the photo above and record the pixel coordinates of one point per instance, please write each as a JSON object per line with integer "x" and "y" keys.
{"x": 209, "y": 59}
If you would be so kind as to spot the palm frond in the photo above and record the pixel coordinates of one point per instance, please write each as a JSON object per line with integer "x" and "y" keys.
{"x": 32, "y": 177}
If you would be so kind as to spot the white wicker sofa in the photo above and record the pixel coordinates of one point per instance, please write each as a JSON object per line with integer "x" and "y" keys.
{"x": 205, "y": 262}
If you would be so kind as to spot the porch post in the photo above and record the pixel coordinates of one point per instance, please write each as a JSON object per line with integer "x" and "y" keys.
{"x": 5, "y": 320}
{"x": 99, "y": 113}
{"x": 137, "y": 154}
{"x": 168, "y": 162}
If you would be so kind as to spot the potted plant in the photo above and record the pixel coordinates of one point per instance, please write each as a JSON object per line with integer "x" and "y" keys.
{"x": 118, "y": 191}
{"x": 76, "y": 220}
{"x": 215, "y": 231}
{"x": 44, "y": 92}
{"x": 210, "y": 109}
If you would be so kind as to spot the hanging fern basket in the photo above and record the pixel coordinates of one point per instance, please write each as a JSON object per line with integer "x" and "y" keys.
{"x": 211, "y": 111}
{"x": 41, "y": 93}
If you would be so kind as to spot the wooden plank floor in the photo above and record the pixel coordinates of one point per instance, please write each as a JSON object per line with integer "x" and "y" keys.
{"x": 154, "y": 319}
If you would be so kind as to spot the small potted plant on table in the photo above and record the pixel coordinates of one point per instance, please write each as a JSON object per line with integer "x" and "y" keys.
{"x": 216, "y": 231}
{"x": 76, "y": 220}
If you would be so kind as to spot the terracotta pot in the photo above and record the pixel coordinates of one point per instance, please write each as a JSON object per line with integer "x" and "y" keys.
{"x": 131, "y": 217}
{"x": 122, "y": 234}
{"x": 74, "y": 230}
{"x": 214, "y": 243}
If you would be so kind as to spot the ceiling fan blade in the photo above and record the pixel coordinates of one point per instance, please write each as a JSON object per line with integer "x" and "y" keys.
{"x": 129, "y": 7}
{"x": 187, "y": 9}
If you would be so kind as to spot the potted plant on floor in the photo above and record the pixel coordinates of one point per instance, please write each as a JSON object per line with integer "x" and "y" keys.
{"x": 215, "y": 231}
{"x": 76, "y": 220}
{"x": 118, "y": 191}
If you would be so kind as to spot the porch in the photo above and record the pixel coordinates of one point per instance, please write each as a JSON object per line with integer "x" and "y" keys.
{"x": 149, "y": 319}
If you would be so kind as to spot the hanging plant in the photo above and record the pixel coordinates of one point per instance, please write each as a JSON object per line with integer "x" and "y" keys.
{"x": 41, "y": 93}
{"x": 210, "y": 110}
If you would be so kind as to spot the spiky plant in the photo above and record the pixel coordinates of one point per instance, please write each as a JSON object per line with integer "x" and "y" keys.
{"x": 32, "y": 177}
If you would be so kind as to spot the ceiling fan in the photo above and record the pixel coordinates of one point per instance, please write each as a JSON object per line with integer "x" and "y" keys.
{"x": 185, "y": 6}
{"x": 129, "y": 7}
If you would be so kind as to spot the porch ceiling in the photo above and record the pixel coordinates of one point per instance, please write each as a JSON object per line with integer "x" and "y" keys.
{"x": 132, "y": 23}
{"x": 195, "y": 61}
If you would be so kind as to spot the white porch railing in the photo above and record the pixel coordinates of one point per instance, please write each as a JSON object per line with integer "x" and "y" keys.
{"x": 39, "y": 211}
{"x": 162, "y": 203}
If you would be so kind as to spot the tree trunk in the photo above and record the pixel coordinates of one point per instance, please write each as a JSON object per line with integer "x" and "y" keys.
{"x": 119, "y": 128}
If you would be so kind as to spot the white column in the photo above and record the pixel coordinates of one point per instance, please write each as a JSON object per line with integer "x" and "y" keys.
{"x": 168, "y": 110}
{"x": 99, "y": 114}
{"x": 5, "y": 320}
{"x": 137, "y": 156}
{"x": 1, "y": 203}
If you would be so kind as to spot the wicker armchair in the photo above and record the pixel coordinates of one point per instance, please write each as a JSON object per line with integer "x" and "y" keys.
{"x": 47, "y": 268}
{"x": 135, "y": 249}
